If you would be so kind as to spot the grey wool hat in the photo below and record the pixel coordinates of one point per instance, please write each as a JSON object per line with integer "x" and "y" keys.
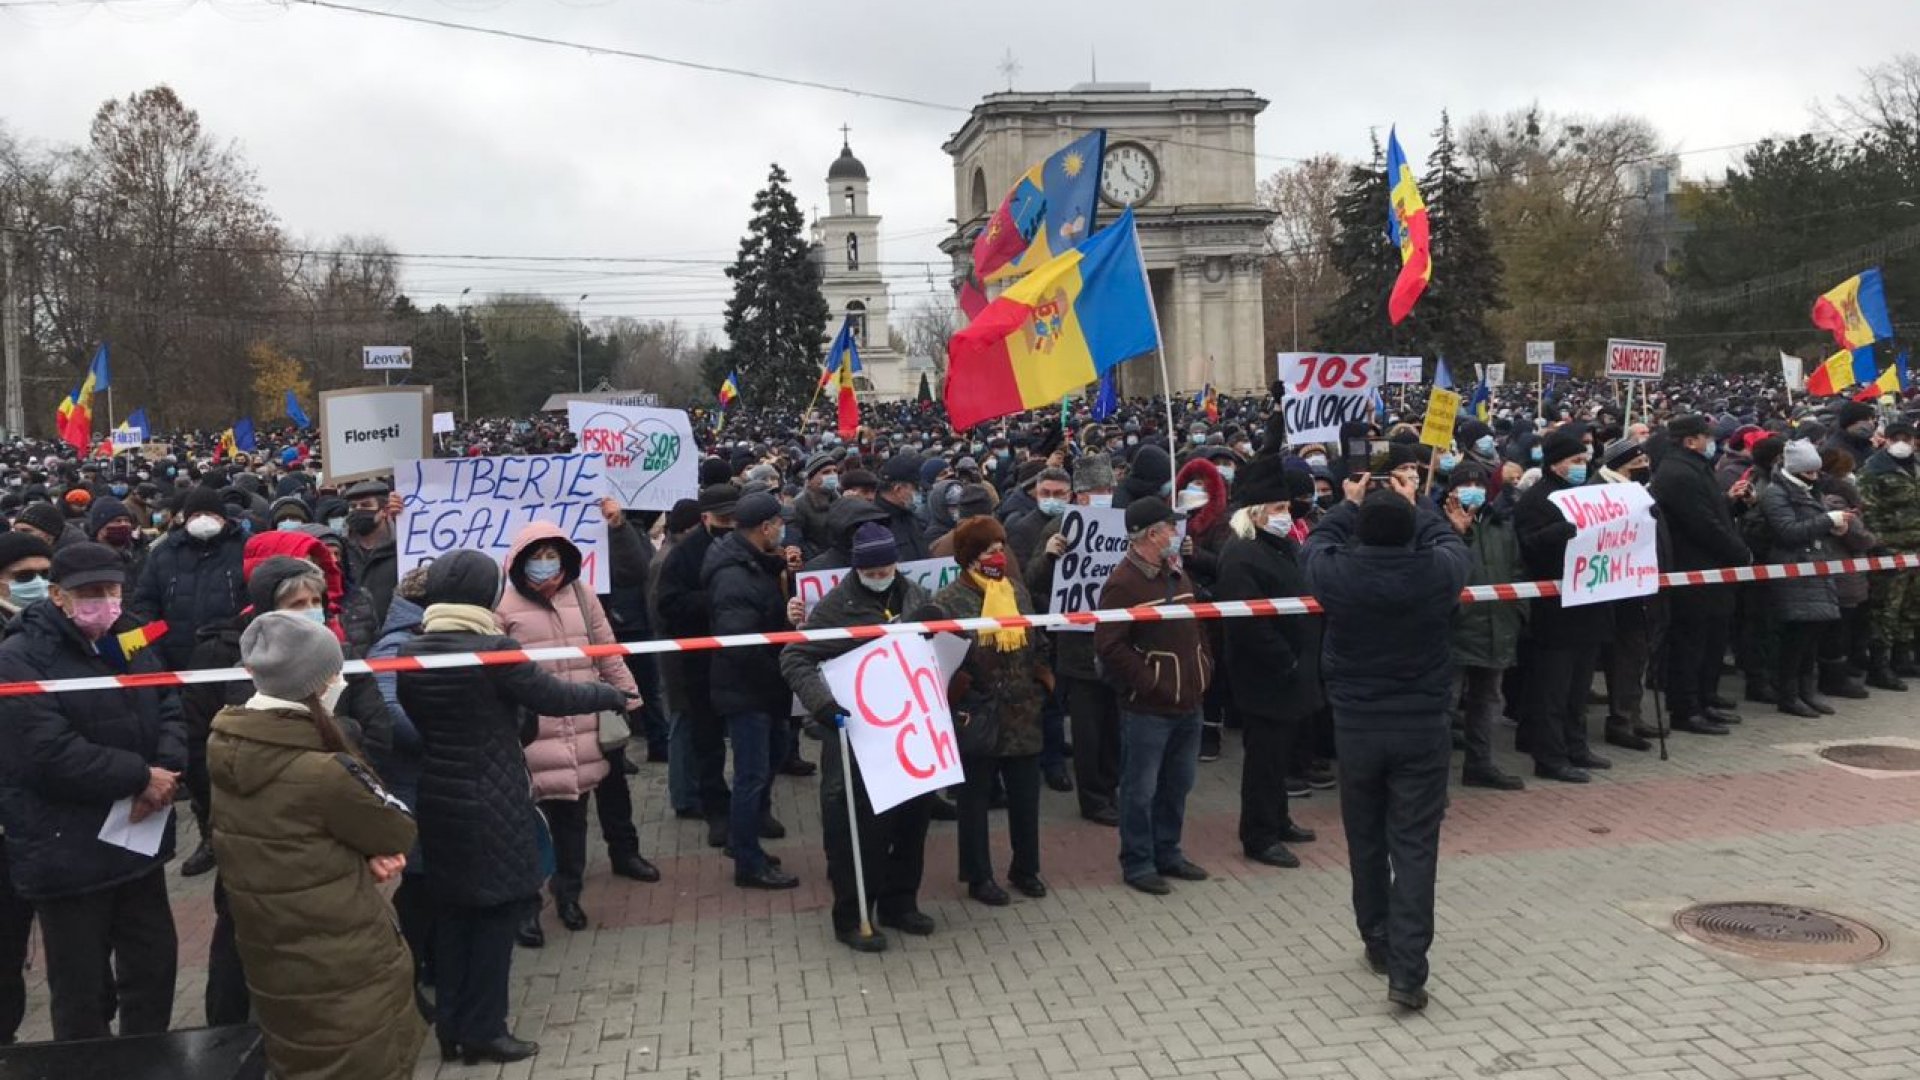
{"x": 1092, "y": 472}
{"x": 290, "y": 656}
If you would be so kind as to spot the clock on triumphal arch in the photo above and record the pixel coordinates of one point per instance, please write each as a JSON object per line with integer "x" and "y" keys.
{"x": 1184, "y": 160}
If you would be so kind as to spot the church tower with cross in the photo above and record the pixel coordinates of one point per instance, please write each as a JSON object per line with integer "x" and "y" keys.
{"x": 846, "y": 246}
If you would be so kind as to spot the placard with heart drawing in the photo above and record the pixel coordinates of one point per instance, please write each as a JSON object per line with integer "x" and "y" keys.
{"x": 652, "y": 460}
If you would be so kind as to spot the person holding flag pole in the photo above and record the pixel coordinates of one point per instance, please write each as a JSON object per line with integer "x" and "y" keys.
{"x": 890, "y": 846}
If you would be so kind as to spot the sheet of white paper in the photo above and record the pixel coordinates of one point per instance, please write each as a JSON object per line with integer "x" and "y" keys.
{"x": 141, "y": 837}
{"x": 950, "y": 651}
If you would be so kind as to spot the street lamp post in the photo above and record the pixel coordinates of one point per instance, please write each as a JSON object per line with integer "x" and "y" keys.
{"x": 579, "y": 331}
{"x": 466, "y": 414}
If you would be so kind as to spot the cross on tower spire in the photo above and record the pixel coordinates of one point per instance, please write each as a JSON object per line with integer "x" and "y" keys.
{"x": 846, "y": 134}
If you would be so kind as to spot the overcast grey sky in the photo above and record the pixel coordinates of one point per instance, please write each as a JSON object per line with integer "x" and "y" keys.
{"x": 442, "y": 141}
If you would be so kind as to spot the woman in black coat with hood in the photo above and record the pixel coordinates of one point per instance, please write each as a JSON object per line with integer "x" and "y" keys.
{"x": 1273, "y": 665}
{"x": 479, "y": 829}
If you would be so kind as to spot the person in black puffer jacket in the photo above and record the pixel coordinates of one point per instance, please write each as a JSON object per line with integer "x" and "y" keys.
{"x": 479, "y": 830}
{"x": 193, "y": 577}
{"x": 745, "y": 578}
{"x": 1150, "y": 474}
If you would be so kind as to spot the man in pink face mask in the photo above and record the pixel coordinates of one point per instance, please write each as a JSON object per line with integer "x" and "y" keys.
{"x": 66, "y": 760}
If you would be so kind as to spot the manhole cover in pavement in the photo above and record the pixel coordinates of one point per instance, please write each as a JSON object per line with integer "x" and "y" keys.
{"x": 1782, "y": 932}
{"x": 1875, "y": 757}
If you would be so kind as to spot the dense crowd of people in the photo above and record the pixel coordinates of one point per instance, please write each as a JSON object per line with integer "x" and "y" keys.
{"x": 469, "y": 786}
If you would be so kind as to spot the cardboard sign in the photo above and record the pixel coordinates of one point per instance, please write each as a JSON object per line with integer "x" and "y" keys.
{"x": 1403, "y": 371}
{"x": 1539, "y": 352}
{"x": 1794, "y": 371}
{"x": 1496, "y": 375}
{"x": 443, "y": 423}
{"x": 1614, "y": 556}
{"x": 898, "y": 720}
{"x": 1096, "y": 542}
{"x": 1322, "y": 392}
{"x": 126, "y": 440}
{"x": 932, "y": 574}
{"x": 652, "y": 460}
{"x": 366, "y": 431}
{"x": 386, "y": 357}
{"x": 482, "y": 503}
{"x": 1443, "y": 407}
{"x": 1636, "y": 359}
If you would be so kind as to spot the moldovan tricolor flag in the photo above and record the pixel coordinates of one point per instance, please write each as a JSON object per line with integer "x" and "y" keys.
{"x": 1407, "y": 228}
{"x": 1891, "y": 381}
{"x": 842, "y": 361}
{"x": 1048, "y": 213}
{"x": 76, "y": 412}
{"x": 1062, "y": 326}
{"x": 1841, "y": 370}
{"x": 1855, "y": 311}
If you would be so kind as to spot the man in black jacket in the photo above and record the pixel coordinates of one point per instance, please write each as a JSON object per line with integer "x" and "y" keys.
{"x": 682, "y": 603}
{"x": 193, "y": 577}
{"x": 1388, "y": 573}
{"x": 900, "y": 497}
{"x": 745, "y": 577}
{"x": 1699, "y": 521}
{"x": 69, "y": 759}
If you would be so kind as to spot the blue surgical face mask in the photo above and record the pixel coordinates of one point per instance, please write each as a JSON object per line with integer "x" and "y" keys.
{"x": 919, "y": 501}
{"x": 30, "y": 591}
{"x": 1101, "y": 499}
{"x": 1166, "y": 489}
{"x": 830, "y": 482}
{"x": 1472, "y": 498}
{"x": 1533, "y": 455}
{"x": 289, "y": 525}
{"x": 541, "y": 571}
{"x": 119, "y": 490}
{"x": 1448, "y": 461}
{"x": 1712, "y": 448}
{"x": 1198, "y": 438}
{"x": 1577, "y": 474}
{"x": 1226, "y": 473}
{"x": 1053, "y": 507}
{"x": 314, "y": 614}
{"x": 1483, "y": 446}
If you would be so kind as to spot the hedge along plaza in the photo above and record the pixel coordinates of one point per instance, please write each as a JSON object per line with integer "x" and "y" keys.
{"x": 1220, "y": 609}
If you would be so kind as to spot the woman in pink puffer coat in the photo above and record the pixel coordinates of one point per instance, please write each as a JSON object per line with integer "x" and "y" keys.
{"x": 545, "y": 604}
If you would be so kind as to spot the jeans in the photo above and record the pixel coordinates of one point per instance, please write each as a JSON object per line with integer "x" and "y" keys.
{"x": 1393, "y": 795}
{"x": 1022, "y": 776}
{"x": 758, "y": 743}
{"x": 1159, "y": 756}
{"x": 1478, "y": 689}
{"x": 683, "y": 787}
{"x": 126, "y": 932}
{"x": 473, "y": 962}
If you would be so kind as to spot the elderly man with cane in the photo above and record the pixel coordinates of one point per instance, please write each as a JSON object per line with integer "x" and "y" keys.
{"x": 1387, "y": 570}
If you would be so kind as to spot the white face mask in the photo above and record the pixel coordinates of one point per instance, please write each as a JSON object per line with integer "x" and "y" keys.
{"x": 1279, "y": 525}
{"x": 205, "y": 527}
{"x": 878, "y": 585}
{"x": 1900, "y": 451}
{"x": 330, "y": 697}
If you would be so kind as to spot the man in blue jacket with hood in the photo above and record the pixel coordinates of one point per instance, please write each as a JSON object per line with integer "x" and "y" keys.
{"x": 1387, "y": 570}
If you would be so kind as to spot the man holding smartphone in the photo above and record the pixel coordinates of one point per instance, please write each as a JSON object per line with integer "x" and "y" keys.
{"x": 1388, "y": 570}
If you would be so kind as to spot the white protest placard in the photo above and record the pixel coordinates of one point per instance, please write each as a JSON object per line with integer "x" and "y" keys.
{"x": 1096, "y": 542}
{"x": 1403, "y": 370}
{"x": 1794, "y": 371}
{"x": 932, "y": 575}
{"x": 126, "y": 440}
{"x": 365, "y": 431}
{"x": 386, "y": 357}
{"x": 652, "y": 460}
{"x": 443, "y": 423}
{"x": 1613, "y": 556}
{"x": 1636, "y": 359}
{"x": 1539, "y": 352}
{"x": 1496, "y": 375}
{"x": 482, "y": 503}
{"x": 898, "y": 720}
{"x": 1323, "y": 391}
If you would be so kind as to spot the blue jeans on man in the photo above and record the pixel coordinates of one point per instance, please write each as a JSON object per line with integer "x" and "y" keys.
{"x": 1159, "y": 756}
{"x": 754, "y": 738}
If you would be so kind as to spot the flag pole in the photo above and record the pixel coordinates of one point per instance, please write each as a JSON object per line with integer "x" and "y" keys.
{"x": 853, "y": 827}
{"x": 1166, "y": 383}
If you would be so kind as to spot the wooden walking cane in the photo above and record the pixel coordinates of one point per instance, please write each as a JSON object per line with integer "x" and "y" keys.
{"x": 853, "y": 826}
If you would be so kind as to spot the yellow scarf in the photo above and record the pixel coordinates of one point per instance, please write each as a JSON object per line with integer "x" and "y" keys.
{"x": 470, "y": 618}
{"x": 998, "y": 603}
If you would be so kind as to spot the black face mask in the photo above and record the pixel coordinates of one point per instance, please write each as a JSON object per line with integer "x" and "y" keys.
{"x": 1326, "y": 501}
{"x": 362, "y": 522}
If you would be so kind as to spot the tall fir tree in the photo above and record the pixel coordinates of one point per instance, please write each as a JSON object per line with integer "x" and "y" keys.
{"x": 1363, "y": 256}
{"x": 1465, "y": 291}
{"x": 777, "y": 315}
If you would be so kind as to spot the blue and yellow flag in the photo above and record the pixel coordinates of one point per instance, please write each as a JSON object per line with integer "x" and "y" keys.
{"x": 1048, "y": 213}
{"x": 1891, "y": 381}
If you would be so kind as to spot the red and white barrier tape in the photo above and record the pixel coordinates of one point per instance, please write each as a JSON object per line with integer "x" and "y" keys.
{"x": 1218, "y": 609}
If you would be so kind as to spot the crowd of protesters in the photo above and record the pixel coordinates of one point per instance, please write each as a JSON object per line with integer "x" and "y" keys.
{"x": 469, "y": 787}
